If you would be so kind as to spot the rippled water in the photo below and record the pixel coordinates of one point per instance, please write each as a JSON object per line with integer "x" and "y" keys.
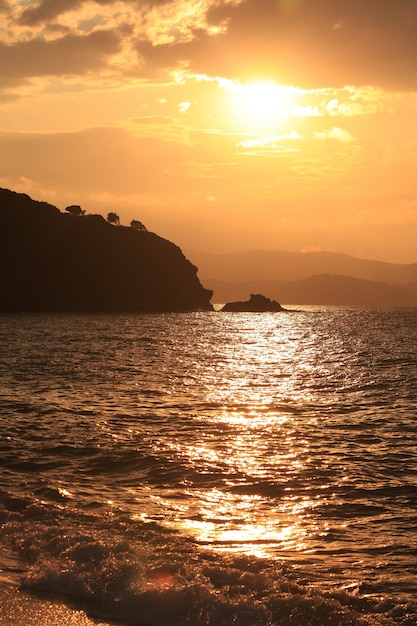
{"x": 265, "y": 460}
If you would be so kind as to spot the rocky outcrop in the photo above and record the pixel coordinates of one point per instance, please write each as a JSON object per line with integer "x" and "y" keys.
{"x": 51, "y": 261}
{"x": 256, "y": 304}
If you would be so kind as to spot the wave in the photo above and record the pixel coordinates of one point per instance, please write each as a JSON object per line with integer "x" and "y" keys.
{"x": 117, "y": 567}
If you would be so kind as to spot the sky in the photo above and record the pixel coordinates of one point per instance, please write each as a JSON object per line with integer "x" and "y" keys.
{"x": 222, "y": 125}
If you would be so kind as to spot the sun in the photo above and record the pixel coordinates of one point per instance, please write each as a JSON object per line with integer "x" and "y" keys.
{"x": 260, "y": 106}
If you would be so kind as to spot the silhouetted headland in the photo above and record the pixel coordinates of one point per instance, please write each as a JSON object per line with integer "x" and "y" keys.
{"x": 54, "y": 261}
{"x": 257, "y": 303}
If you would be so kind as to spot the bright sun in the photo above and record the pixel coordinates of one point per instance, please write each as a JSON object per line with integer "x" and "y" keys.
{"x": 260, "y": 106}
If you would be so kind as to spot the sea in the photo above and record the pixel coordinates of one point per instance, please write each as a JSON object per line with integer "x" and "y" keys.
{"x": 210, "y": 468}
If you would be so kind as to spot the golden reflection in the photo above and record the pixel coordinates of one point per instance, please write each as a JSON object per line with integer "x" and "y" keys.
{"x": 260, "y": 373}
{"x": 252, "y": 418}
{"x": 242, "y": 523}
{"x": 249, "y": 460}
{"x": 64, "y": 493}
{"x": 246, "y": 487}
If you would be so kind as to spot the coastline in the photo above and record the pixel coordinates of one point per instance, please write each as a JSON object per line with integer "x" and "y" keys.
{"x": 20, "y": 608}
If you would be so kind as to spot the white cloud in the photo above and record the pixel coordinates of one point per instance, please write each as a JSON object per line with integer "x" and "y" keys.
{"x": 272, "y": 142}
{"x": 184, "y": 106}
{"x": 339, "y": 134}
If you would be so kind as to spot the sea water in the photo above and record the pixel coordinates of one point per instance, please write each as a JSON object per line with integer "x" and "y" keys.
{"x": 211, "y": 468}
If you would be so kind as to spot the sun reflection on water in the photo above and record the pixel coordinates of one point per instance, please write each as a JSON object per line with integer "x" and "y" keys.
{"x": 231, "y": 522}
{"x": 250, "y": 468}
{"x": 249, "y": 507}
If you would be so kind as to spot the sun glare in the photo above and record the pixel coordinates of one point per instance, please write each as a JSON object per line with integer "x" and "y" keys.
{"x": 260, "y": 105}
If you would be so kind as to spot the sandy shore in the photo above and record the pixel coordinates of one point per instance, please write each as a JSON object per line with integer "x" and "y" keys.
{"x": 18, "y": 608}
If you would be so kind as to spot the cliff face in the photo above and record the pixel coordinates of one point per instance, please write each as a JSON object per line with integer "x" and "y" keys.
{"x": 51, "y": 261}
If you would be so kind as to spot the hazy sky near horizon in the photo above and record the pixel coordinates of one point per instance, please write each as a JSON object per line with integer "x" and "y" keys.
{"x": 223, "y": 125}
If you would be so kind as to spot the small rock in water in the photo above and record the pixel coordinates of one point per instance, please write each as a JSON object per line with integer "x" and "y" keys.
{"x": 257, "y": 303}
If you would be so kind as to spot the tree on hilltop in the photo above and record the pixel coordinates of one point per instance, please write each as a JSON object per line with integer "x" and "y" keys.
{"x": 113, "y": 218}
{"x": 75, "y": 210}
{"x": 137, "y": 225}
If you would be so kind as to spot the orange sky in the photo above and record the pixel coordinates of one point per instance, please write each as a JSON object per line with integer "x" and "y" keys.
{"x": 222, "y": 125}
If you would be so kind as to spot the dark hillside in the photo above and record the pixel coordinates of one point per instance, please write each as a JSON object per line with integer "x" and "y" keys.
{"x": 50, "y": 261}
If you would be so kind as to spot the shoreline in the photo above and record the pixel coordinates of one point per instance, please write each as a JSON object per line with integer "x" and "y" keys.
{"x": 21, "y": 608}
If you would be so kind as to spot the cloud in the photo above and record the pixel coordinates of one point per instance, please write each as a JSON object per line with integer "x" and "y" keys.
{"x": 265, "y": 144}
{"x": 71, "y": 54}
{"x": 48, "y": 10}
{"x": 335, "y": 133}
{"x": 321, "y": 43}
{"x": 184, "y": 106}
{"x": 39, "y": 38}
{"x": 299, "y": 42}
{"x": 94, "y": 159}
{"x": 21, "y": 184}
{"x": 126, "y": 201}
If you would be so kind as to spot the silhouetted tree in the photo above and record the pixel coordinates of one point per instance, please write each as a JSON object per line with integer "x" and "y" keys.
{"x": 137, "y": 225}
{"x": 75, "y": 209}
{"x": 113, "y": 218}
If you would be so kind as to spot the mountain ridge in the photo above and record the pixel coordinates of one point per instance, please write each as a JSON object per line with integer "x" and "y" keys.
{"x": 329, "y": 278}
{"x": 282, "y": 265}
{"x": 324, "y": 289}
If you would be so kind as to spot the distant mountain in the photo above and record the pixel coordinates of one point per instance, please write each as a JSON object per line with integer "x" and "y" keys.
{"x": 264, "y": 265}
{"x": 307, "y": 278}
{"x": 51, "y": 261}
{"x": 325, "y": 289}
